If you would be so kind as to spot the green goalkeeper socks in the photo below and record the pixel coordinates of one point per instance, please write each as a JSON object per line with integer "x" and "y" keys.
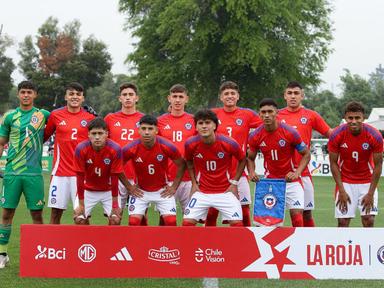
{"x": 5, "y": 233}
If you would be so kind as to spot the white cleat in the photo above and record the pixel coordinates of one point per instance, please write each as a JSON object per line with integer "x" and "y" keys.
{"x": 4, "y": 260}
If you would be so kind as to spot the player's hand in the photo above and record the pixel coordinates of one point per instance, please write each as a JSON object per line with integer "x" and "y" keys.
{"x": 194, "y": 188}
{"x": 116, "y": 211}
{"x": 136, "y": 192}
{"x": 168, "y": 192}
{"x": 253, "y": 177}
{"x": 367, "y": 203}
{"x": 233, "y": 189}
{"x": 342, "y": 201}
{"x": 78, "y": 211}
{"x": 291, "y": 176}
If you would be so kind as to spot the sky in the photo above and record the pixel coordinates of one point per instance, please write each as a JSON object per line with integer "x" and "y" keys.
{"x": 358, "y": 43}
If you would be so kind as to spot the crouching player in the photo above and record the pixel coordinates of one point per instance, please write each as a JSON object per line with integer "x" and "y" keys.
{"x": 150, "y": 154}
{"x": 209, "y": 157}
{"x": 278, "y": 142}
{"x": 98, "y": 164}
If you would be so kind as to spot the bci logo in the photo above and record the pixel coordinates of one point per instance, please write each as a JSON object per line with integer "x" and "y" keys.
{"x": 50, "y": 253}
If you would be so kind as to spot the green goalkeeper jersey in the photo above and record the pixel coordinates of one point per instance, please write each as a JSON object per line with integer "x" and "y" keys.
{"x": 24, "y": 131}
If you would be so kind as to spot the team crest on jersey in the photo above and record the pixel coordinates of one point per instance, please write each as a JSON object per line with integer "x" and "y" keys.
{"x": 159, "y": 157}
{"x": 188, "y": 126}
{"x": 282, "y": 143}
{"x": 303, "y": 120}
{"x": 239, "y": 121}
{"x": 107, "y": 161}
{"x": 269, "y": 201}
{"x": 365, "y": 146}
{"x": 34, "y": 119}
{"x": 220, "y": 155}
{"x": 83, "y": 123}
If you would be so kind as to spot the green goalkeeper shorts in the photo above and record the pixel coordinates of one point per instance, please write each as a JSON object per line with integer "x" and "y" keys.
{"x": 31, "y": 186}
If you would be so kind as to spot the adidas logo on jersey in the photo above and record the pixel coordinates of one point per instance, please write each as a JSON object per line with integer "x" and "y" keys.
{"x": 236, "y": 215}
{"x": 139, "y": 160}
{"x": 263, "y": 144}
{"x": 167, "y": 127}
{"x": 117, "y": 124}
{"x": 199, "y": 156}
{"x": 297, "y": 203}
{"x": 344, "y": 145}
{"x": 122, "y": 255}
{"x": 62, "y": 123}
{"x": 89, "y": 161}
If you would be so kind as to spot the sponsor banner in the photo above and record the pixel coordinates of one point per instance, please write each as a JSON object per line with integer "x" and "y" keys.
{"x": 68, "y": 251}
{"x": 46, "y": 163}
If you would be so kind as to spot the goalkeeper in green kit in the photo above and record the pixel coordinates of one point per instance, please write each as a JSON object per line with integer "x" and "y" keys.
{"x": 23, "y": 130}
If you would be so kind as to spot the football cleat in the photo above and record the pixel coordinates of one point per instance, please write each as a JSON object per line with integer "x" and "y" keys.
{"x": 4, "y": 260}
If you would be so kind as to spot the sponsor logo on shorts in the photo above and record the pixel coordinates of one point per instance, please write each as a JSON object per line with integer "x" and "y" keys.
{"x": 365, "y": 146}
{"x": 188, "y": 126}
{"x": 131, "y": 207}
{"x": 40, "y": 203}
{"x": 83, "y": 123}
{"x": 235, "y": 215}
{"x": 282, "y": 143}
{"x": 303, "y": 120}
{"x": 53, "y": 201}
{"x": 380, "y": 254}
{"x": 187, "y": 211}
{"x": 107, "y": 161}
{"x": 239, "y": 121}
{"x": 269, "y": 201}
{"x": 86, "y": 253}
{"x": 164, "y": 254}
{"x": 209, "y": 255}
{"x": 2, "y": 200}
{"x": 160, "y": 157}
{"x": 310, "y": 205}
{"x": 220, "y": 155}
{"x": 50, "y": 253}
{"x": 297, "y": 203}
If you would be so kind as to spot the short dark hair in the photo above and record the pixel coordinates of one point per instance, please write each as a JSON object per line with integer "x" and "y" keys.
{"x": 354, "y": 106}
{"x": 75, "y": 86}
{"x": 178, "y": 88}
{"x": 228, "y": 85}
{"x": 148, "y": 119}
{"x": 268, "y": 101}
{"x": 294, "y": 84}
{"x": 128, "y": 85}
{"x": 206, "y": 114}
{"x": 96, "y": 123}
{"x": 26, "y": 85}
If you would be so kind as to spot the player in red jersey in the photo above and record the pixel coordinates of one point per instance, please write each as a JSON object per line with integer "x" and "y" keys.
{"x": 70, "y": 125}
{"x": 304, "y": 121}
{"x": 236, "y": 123}
{"x": 98, "y": 163}
{"x": 177, "y": 126}
{"x": 356, "y": 156}
{"x": 122, "y": 126}
{"x": 209, "y": 157}
{"x": 278, "y": 142}
{"x": 150, "y": 155}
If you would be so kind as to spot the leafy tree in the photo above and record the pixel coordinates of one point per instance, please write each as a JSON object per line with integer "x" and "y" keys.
{"x": 6, "y": 69}
{"x": 376, "y": 81}
{"x": 259, "y": 44}
{"x": 59, "y": 56}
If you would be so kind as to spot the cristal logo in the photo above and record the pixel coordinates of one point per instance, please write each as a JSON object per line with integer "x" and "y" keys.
{"x": 209, "y": 255}
{"x": 334, "y": 255}
{"x": 49, "y": 253}
{"x": 164, "y": 254}
{"x": 86, "y": 253}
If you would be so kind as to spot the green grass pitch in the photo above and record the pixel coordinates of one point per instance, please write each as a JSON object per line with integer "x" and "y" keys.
{"x": 324, "y": 187}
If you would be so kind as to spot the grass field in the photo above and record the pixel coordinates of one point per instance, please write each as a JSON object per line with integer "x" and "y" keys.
{"x": 324, "y": 187}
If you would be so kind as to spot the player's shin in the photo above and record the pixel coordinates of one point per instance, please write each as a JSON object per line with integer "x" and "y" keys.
{"x": 246, "y": 215}
{"x": 236, "y": 224}
{"x": 308, "y": 220}
{"x": 297, "y": 219}
{"x": 5, "y": 234}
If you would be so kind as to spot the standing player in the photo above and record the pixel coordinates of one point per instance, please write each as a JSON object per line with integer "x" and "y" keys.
{"x": 352, "y": 147}
{"x": 98, "y": 164}
{"x": 70, "y": 124}
{"x": 209, "y": 157}
{"x": 150, "y": 154}
{"x": 23, "y": 130}
{"x": 278, "y": 142}
{"x": 304, "y": 121}
{"x": 177, "y": 126}
{"x": 236, "y": 123}
{"x": 122, "y": 126}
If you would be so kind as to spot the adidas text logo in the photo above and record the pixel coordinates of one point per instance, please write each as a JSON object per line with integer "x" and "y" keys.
{"x": 62, "y": 123}
{"x": 167, "y": 127}
{"x": 263, "y": 144}
{"x": 117, "y": 124}
{"x": 122, "y": 255}
{"x": 199, "y": 156}
{"x": 344, "y": 145}
{"x": 139, "y": 160}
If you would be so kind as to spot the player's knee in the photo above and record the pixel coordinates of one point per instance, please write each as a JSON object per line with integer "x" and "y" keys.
{"x": 236, "y": 224}
{"x": 37, "y": 216}
{"x": 368, "y": 221}
{"x": 169, "y": 220}
{"x": 212, "y": 217}
{"x": 134, "y": 221}
{"x": 189, "y": 222}
{"x": 297, "y": 219}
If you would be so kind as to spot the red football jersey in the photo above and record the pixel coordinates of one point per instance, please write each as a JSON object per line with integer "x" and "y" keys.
{"x": 71, "y": 129}
{"x": 177, "y": 129}
{"x": 151, "y": 164}
{"x": 212, "y": 162}
{"x": 98, "y": 166}
{"x": 278, "y": 148}
{"x": 236, "y": 124}
{"x": 304, "y": 121}
{"x": 355, "y": 152}
{"x": 123, "y": 129}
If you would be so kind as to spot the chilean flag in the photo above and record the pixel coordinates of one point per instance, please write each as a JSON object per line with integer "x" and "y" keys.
{"x": 269, "y": 204}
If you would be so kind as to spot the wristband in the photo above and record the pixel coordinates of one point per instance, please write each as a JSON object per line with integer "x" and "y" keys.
{"x": 115, "y": 204}
{"x": 234, "y": 182}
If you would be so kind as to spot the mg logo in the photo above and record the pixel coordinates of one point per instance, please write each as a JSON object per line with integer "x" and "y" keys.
{"x": 49, "y": 253}
{"x": 87, "y": 253}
